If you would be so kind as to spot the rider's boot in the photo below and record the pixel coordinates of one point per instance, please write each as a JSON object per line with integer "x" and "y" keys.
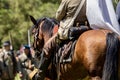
{"x": 75, "y": 32}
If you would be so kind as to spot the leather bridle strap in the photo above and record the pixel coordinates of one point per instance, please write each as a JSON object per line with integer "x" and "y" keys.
{"x": 37, "y": 33}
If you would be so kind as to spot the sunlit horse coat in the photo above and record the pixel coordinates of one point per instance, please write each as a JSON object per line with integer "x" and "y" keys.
{"x": 101, "y": 14}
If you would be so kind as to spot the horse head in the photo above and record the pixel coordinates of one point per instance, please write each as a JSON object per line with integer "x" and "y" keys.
{"x": 42, "y": 30}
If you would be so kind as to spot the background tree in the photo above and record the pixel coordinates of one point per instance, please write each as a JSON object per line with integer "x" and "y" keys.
{"x": 14, "y": 17}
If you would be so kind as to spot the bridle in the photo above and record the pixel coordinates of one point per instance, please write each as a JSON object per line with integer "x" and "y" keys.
{"x": 36, "y": 35}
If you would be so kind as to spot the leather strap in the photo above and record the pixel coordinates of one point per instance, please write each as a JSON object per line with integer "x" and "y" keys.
{"x": 79, "y": 8}
{"x": 76, "y": 14}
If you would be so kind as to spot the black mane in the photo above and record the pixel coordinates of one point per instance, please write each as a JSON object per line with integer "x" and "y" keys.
{"x": 47, "y": 26}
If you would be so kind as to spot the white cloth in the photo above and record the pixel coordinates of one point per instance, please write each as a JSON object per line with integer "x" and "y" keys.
{"x": 22, "y": 57}
{"x": 101, "y": 14}
{"x": 118, "y": 10}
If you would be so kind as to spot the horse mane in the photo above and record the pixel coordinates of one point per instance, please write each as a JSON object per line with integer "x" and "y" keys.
{"x": 48, "y": 25}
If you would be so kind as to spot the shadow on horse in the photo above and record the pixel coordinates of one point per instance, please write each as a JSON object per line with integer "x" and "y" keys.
{"x": 96, "y": 52}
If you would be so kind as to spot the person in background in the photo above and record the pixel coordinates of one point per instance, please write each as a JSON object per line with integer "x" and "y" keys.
{"x": 6, "y": 62}
{"x": 24, "y": 62}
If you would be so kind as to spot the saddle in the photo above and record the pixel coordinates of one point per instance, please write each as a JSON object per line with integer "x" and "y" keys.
{"x": 66, "y": 48}
{"x": 64, "y": 54}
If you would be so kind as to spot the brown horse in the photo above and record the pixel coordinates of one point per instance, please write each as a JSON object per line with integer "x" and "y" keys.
{"x": 96, "y": 52}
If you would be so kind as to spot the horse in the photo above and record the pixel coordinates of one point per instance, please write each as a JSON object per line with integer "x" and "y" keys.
{"x": 39, "y": 43}
{"x": 96, "y": 52}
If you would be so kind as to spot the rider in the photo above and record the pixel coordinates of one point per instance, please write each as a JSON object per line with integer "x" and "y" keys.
{"x": 64, "y": 14}
{"x": 24, "y": 63}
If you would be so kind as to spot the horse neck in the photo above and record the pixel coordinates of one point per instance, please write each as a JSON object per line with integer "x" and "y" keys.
{"x": 46, "y": 38}
{"x": 50, "y": 31}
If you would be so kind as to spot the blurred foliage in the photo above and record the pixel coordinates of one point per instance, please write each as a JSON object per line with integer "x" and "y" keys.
{"x": 14, "y": 17}
{"x": 115, "y": 3}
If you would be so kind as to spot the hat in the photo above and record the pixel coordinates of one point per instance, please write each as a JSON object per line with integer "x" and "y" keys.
{"x": 26, "y": 47}
{"x": 6, "y": 43}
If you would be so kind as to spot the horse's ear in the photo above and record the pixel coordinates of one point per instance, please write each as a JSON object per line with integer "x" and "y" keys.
{"x": 33, "y": 20}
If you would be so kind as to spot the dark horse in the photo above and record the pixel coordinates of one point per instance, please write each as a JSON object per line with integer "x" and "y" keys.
{"x": 96, "y": 52}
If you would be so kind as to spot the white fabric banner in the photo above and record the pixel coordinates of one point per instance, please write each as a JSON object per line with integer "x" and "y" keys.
{"x": 101, "y": 14}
